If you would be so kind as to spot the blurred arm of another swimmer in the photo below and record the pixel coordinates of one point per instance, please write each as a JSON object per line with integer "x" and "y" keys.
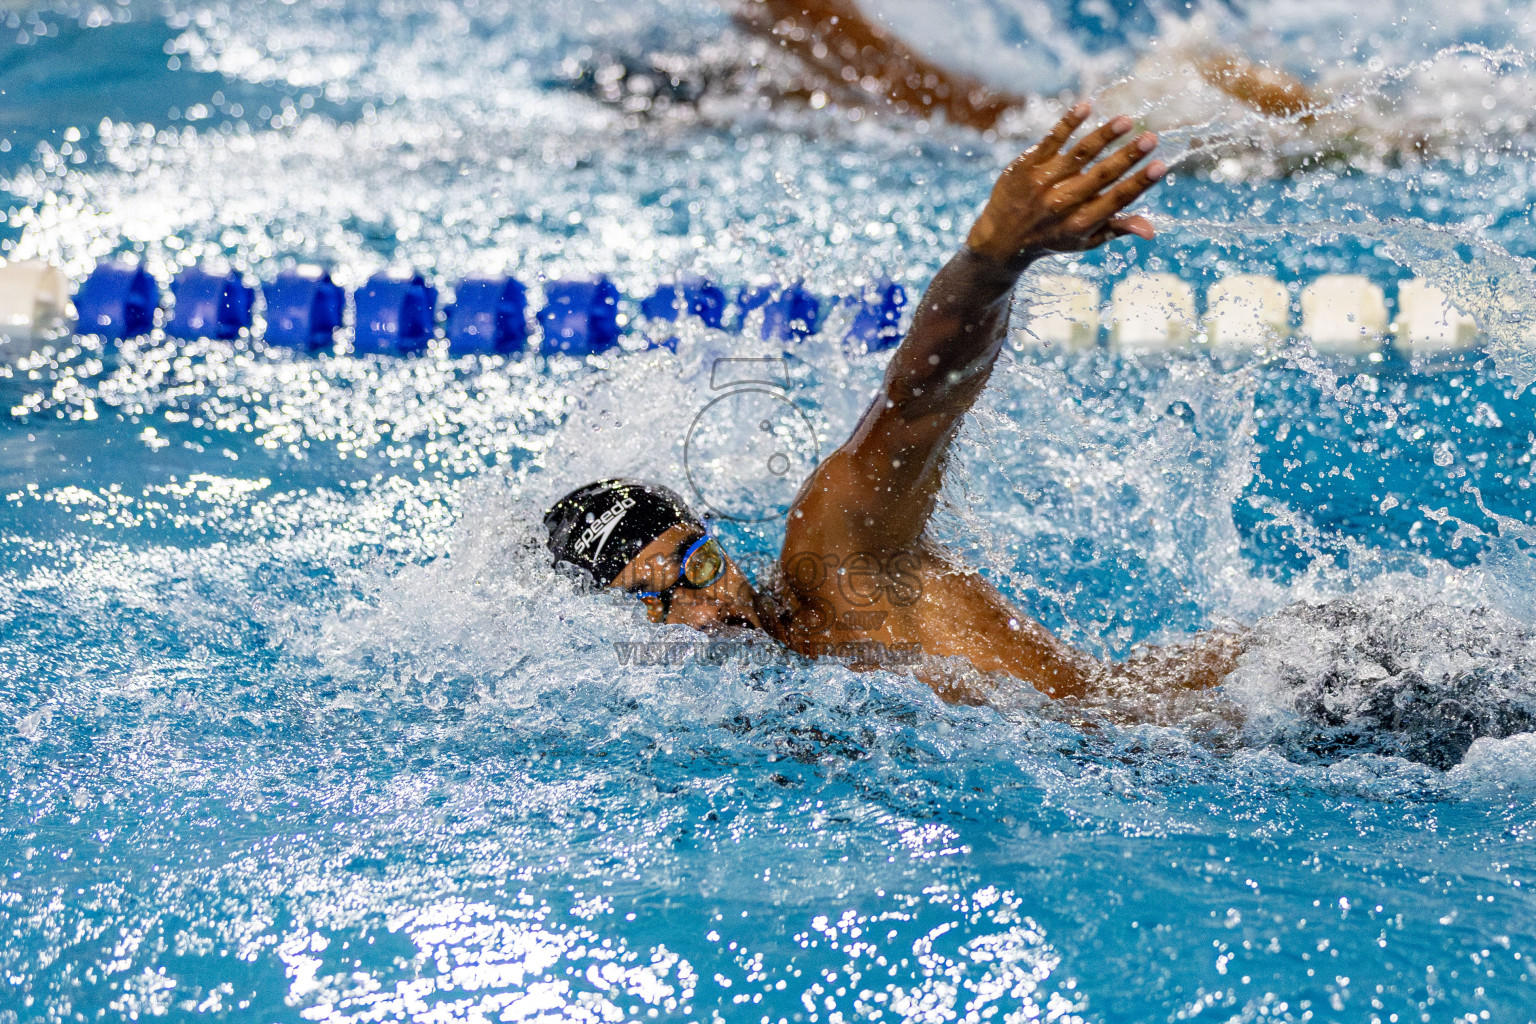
{"x": 857, "y": 59}
{"x": 868, "y": 504}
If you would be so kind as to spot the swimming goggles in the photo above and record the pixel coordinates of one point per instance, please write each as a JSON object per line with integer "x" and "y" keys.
{"x": 702, "y": 566}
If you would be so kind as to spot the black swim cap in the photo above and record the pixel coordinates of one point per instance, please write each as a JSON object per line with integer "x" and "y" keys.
{"x": 602, "y": 527}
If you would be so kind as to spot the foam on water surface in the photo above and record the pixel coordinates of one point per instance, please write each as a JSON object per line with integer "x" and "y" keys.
{"x": 297, "y": 722}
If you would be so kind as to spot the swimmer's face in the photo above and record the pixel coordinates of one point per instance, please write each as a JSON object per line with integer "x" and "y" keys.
{"x": 728, "y": 602}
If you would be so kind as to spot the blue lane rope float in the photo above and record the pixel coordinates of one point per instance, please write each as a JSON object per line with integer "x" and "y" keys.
{"x": 691, "y": 296}
{"x": 394, "y": 314}
{"x": 789, "y": 313}
{"x": 304, "y": 308}
{"x": 579, "y": 317}
{"x": 117, "y": 302}
{"x": 688, "y": 296}
{"x": 751, "y": 298}
{"x": 489, "y": 315}
{"x": 209, "y": 305}
{"x": 876, "y": 322}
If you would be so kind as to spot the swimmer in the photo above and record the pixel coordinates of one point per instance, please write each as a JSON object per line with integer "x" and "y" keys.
{"x": 830, "y": 52}
{"x": 856, "y": 567}
{"x": 838, "y": 54}
{"x": 855, "y": 58}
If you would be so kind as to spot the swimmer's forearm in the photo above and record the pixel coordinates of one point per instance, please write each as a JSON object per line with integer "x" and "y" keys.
{"x": 1048, "y": 200}
{"x": 880, "y": 485}
{"x": 885, "y": 479}
{"x": 956, "y": 335}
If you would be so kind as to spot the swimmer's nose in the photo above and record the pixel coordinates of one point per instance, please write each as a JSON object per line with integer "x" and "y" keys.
{"x": 712, "y": 610}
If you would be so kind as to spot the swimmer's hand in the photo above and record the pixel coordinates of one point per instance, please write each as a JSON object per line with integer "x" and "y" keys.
{"x": 1049, "y": 201}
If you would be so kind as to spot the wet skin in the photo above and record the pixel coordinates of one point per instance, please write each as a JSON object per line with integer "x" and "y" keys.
{"x": 855, "y": 563}
{"x": 729, "y": 602}
{"x": 856, "y": 60}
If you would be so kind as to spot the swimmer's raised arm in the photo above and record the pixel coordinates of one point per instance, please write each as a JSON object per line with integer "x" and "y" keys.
{"x": 881, "y": 485}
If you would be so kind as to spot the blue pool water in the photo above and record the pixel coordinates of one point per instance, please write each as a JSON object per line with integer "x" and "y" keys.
{"x": 296, "y": 724}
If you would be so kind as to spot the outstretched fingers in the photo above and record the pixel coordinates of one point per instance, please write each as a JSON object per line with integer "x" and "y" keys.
{"x": 1113, "y": 200}
{"x": 1104, "y": 173}
{"x": 1053, "y": 201}
{"x": 1058, "y": 136}
{"x": 1094, "y": 143}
